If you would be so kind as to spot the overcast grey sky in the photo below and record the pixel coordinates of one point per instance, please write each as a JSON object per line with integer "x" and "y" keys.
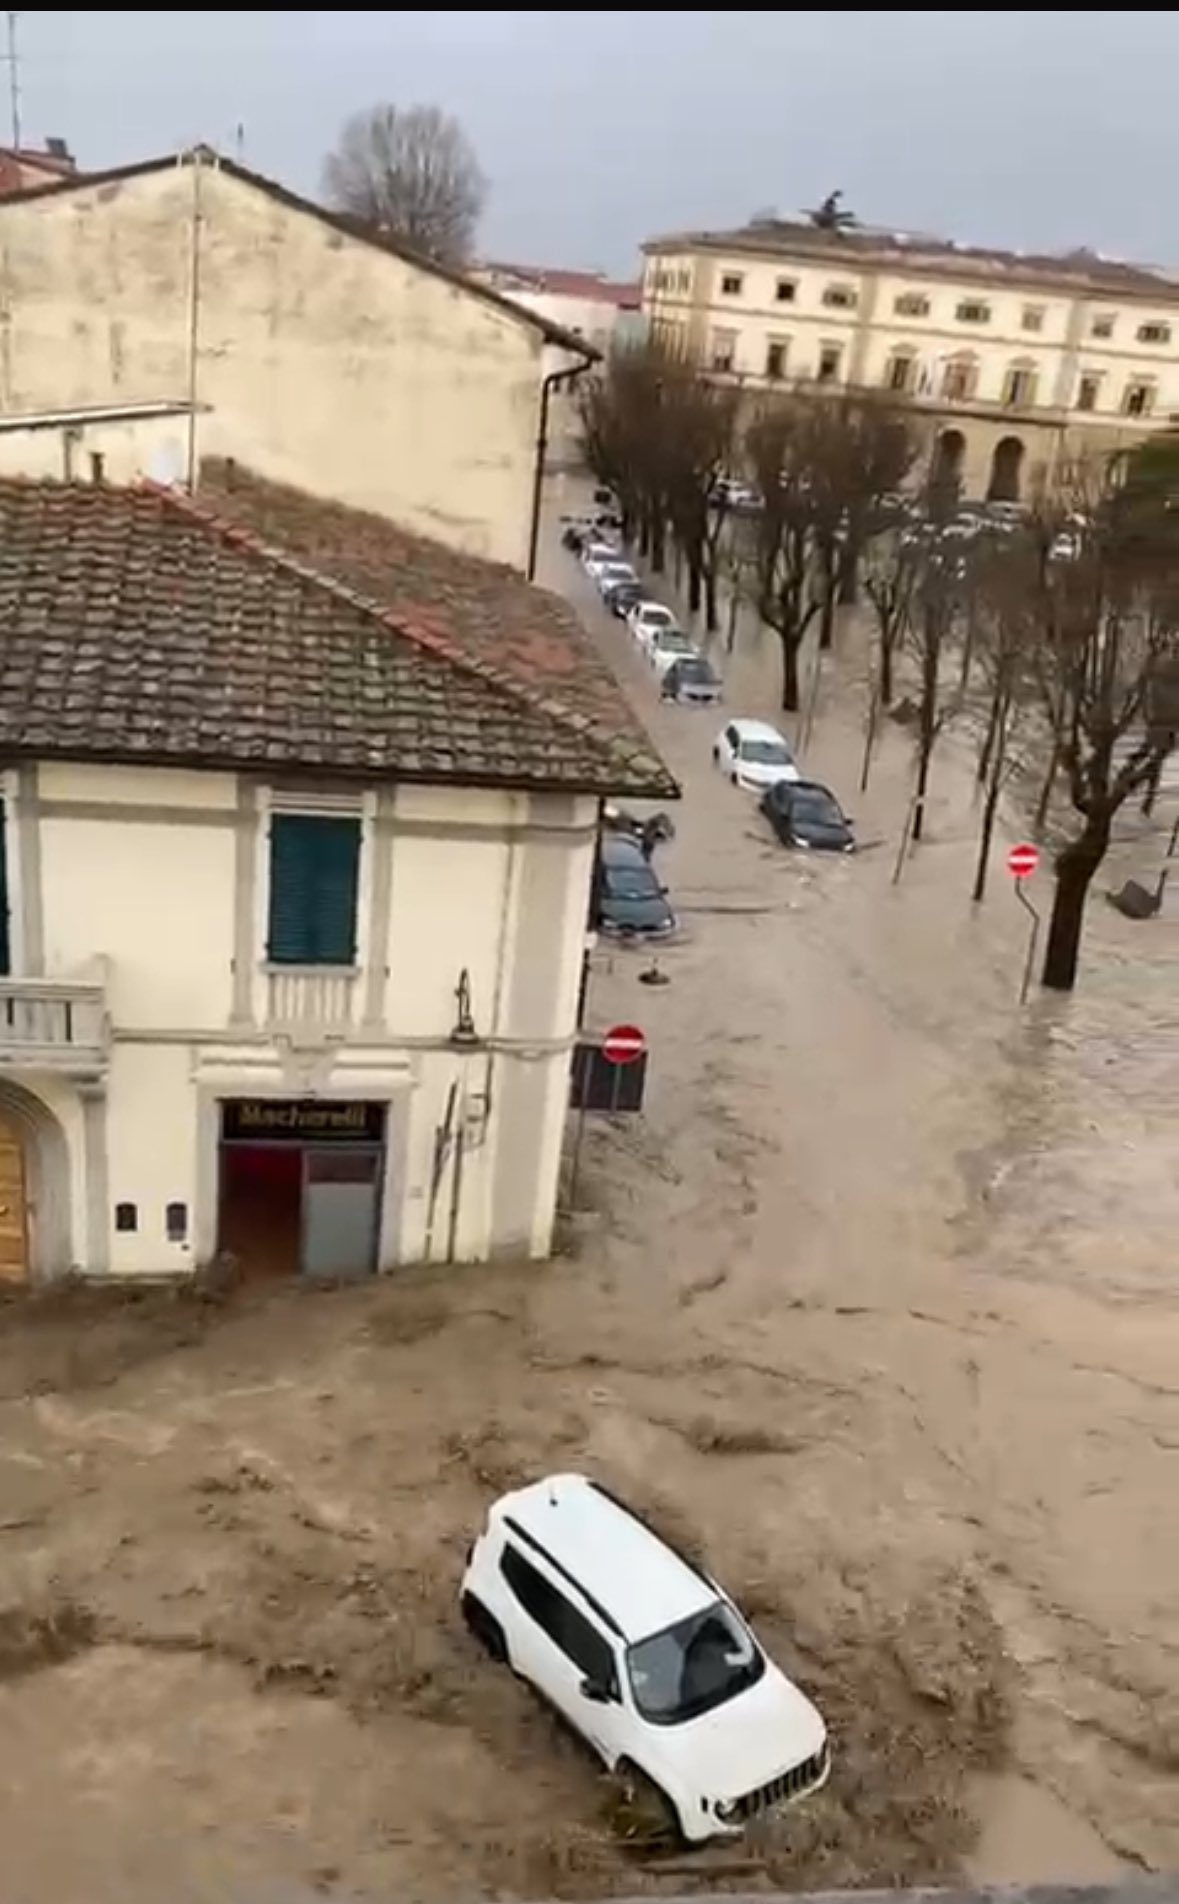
{"x": 599, "y": 129}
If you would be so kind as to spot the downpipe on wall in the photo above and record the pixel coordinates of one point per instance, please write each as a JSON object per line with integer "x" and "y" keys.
{"x": 548, "y": 384}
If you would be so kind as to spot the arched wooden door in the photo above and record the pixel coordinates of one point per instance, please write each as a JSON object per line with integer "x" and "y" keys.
{"x": 14, "y": 1216}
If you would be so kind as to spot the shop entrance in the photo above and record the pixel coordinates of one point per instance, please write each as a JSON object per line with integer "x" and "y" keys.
{"x": 300, "y": 1186}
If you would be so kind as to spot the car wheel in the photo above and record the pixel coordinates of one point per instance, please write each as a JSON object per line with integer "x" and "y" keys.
{"x": 716, "y": 755}
{"x": 733, "y": 778}
{"x": 484, "y": 1627}
{"x": 644, "y": 1816}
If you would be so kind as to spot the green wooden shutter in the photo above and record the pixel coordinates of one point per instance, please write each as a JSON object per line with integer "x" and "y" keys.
{"x": 5, "y": 965}
{"x": 314, "y": 871}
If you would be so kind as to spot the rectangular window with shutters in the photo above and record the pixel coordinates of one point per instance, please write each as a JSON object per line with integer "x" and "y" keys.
{"x": 5, "y": 965}
{"x": 314, "y": 877}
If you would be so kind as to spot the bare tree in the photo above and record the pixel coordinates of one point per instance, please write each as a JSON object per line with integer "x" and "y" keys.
{"x": 699, "y": 421}
{"x": 409, "y": 171}
{"x": 1106, "y": 662}
{"x": 779, "y": 454}
{"x": 1006, "y": 633}
{"x": 861, "y": 449}
{"x": 891, "y": 570}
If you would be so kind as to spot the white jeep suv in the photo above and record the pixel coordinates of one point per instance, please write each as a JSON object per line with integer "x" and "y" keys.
{"x": 647, "y": 1658}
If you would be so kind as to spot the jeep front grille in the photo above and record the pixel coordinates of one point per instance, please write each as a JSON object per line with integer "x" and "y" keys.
{"x": 795, "y": 1783}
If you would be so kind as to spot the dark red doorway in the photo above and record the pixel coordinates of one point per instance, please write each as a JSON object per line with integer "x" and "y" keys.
{"x": 261, "y": 1199}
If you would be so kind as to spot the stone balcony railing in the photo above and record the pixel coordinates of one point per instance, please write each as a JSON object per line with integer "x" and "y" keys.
{"x": 54, "y": 1024}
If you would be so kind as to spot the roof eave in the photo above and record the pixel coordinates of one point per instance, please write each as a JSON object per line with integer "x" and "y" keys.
{"x": 658, "y": 784}
{"x": 143, "y": 168}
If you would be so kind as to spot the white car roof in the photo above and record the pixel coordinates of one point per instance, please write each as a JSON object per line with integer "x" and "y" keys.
{"x": 618, "y": 1562}
{"x": 756, "y": 730}
{"x": 644, "y": 608}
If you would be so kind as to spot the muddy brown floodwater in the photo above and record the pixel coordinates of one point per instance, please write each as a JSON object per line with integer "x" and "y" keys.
{"x": 876, "y": 1303}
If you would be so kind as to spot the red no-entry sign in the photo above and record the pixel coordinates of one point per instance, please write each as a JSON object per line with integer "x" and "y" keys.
{"x": 623, "y": 1044}
{"x": 1022, "y": 861}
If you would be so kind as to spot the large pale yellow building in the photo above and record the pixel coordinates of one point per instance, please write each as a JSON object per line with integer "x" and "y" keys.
{"x": 1019, "y": 361}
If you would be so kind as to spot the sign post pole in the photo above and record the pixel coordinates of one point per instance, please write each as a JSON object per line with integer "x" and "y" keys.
{"x": 1022, "y": 862}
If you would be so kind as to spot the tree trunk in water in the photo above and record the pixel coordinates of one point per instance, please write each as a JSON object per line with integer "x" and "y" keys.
{"x": 695, "y": 588}
{"x": 827, "y": 607}
{"x": 886, "y": 672}
{"x": 1045, "y": 800}
{"x": 734, "y": 611}
{"x": 927, "y": 731}
{"x": 984, "y": 840}
{"x": 1150, "y": 792}
{"x": 923, "y": 759}
{"x": 988, "y": 746}
{"x": 791, "y": 699}
{"x": 849, "y": 575}
{"x": 1075, "y": 868}
{"x": 645, "y": 537}
{"x": 658, "y": 546}
{"x": 711, "y": 618}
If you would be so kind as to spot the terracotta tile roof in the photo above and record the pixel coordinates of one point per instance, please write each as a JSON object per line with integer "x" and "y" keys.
{"x": 920, "y": 253}
{"x": 489, "y": 617}
{"x": 339, "y": 221}
{"x": 137, "y": 626}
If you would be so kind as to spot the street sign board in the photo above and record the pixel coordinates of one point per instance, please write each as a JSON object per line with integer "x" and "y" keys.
{"x": 623, "y": 1044}
{"x": 597, "y": 1085}
{"x": 1023, "y": 860}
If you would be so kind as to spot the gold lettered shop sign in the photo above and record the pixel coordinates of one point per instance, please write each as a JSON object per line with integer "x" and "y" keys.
{"x": 276, "y": 1120}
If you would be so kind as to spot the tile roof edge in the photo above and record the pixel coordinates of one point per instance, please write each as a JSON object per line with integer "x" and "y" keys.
{"x": 347, "y": 227}
{"x": 617, "y": 747}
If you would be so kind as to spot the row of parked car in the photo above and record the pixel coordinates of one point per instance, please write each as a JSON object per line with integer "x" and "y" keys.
{"x": 684, "y": 674}
{"x": 630, "y": 900}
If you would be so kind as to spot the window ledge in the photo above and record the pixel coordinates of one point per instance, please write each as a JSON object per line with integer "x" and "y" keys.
{"x": 280, "y": 969}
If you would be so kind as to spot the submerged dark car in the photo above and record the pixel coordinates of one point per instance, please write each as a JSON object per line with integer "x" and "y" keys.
{"x": 803, "y": 813}
{"x": 629, "y": 900}
{"x": 692, "y": 682}
{"x": 621, "y": 597}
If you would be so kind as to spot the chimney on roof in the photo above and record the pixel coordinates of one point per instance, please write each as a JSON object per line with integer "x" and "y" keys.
{"x": 58, "y": 149}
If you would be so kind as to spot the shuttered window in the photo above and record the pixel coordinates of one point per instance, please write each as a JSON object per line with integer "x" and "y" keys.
{"x": 4, "y": 946}
{"x": 314, "y": 868}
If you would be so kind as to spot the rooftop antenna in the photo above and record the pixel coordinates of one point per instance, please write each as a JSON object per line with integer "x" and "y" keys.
{"x": 239, "y": 142}
{"x": 13, "y": 80}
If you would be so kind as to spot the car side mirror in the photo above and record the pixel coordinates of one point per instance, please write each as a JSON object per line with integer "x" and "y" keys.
{"x": 596, "y": 1692}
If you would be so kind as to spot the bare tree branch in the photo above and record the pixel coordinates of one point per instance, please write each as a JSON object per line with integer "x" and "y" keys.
{"x": 409, "y": 171}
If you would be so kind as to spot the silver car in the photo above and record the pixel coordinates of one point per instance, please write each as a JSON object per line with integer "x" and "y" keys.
{"x": 690, "y": 681}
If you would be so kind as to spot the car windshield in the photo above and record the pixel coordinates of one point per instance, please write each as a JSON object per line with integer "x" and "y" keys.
{"x": 657, "y": 617}
{"x": 632, "y": 882}
{"x": 816, "y": 807}
{"x": 693, "y": 1666}
{"x": 696, "y": 672}
{"x": 766, "y": 753}
{"x": 671, "y": 641}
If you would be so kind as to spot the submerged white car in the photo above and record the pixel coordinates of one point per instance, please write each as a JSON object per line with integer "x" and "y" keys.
{"x": 647, "y": 1658}
{"x": 754, "y": 755}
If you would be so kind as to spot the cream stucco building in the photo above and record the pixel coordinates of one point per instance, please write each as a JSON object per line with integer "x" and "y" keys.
{"x": 186, "y": 307}
{"x": 1020, "y": 363}
{"x": 296, "y": 852}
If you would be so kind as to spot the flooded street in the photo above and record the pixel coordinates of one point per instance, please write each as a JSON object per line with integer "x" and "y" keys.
{"x": 876, "y": 1305}
{"x": 866, "y": 1166}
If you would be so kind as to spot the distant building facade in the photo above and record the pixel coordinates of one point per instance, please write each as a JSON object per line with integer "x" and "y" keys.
{"x": 1020, "y": 362}
{"x": 606, "y": 312}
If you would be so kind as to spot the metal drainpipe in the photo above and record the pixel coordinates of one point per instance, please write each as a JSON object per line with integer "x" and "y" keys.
{"x": 548, "y": 385}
